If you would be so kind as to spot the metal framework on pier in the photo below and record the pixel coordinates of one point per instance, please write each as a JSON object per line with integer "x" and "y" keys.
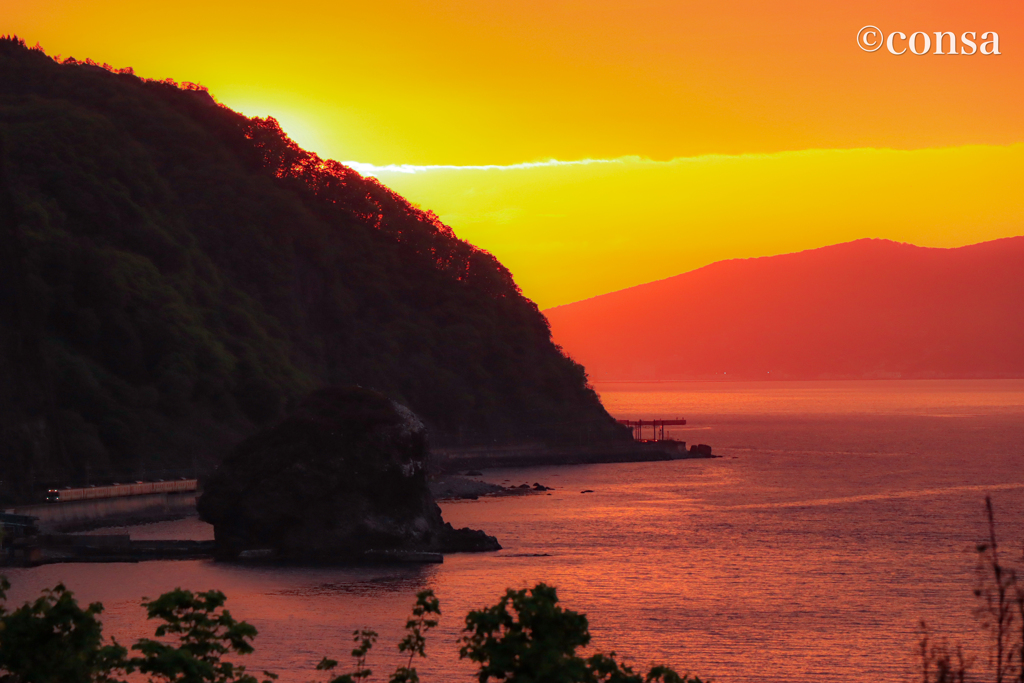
{"x": 638, "y": 427}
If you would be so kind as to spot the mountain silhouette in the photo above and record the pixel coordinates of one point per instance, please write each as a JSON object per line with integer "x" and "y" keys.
{"x": 865, "y": 309}
{"x": 174, "y": 275}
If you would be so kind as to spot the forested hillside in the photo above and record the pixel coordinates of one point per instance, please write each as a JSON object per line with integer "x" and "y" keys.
{"x": 174, "y": 274}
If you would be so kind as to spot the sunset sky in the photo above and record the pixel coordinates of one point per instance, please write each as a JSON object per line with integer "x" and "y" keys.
{"x": 695, "y": 131}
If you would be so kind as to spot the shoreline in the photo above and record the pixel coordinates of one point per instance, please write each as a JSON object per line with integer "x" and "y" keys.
{"x": 62, "y": 540}
{"x": 452, "y": 460}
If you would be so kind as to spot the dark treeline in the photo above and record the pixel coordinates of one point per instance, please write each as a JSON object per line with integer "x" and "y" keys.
{"x": 526, "y": 638}
{"x": 175, "y": 274}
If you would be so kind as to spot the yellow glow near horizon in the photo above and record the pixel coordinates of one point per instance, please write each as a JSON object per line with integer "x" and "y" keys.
{"x": 572, "y": 231}
{"x": 716, "y": 94}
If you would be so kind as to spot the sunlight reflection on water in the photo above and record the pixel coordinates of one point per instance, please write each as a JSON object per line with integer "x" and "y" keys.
{"x": 840, "y": 515}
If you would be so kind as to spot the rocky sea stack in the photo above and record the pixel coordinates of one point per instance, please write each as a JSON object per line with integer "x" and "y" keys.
{"x": 341, "y": 479}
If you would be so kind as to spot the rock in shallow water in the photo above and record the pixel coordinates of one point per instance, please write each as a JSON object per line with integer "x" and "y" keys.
{"x": 341, "y": 477}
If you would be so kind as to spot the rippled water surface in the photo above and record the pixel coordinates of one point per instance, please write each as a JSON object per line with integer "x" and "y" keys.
{"x": 840, "y": 514}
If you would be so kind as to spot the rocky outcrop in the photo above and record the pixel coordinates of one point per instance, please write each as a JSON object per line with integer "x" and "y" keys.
{"x": 701, "y": 450}
{"x": 340, "y": 479}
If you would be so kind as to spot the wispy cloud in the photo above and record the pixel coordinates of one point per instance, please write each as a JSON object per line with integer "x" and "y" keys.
{"x": 372, "y": 170}
{"x": 411, "y": 169}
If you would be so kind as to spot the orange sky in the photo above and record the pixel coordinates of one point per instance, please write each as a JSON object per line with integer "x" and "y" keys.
{"x": 499, "y": 83}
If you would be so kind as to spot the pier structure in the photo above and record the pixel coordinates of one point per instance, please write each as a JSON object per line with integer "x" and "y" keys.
{"x": 657, "y": 427}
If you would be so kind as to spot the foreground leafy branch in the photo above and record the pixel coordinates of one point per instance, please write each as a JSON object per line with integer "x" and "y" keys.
{"x": 1002, "y": 606}
{"x": 1001, "y": 614}
{"x": 366, "y": 638}
{"x": 414, "y": 643}
{"x": 528, "y": 638}
{"x": 54, "y": 639}
{"x": 205, "y": 633}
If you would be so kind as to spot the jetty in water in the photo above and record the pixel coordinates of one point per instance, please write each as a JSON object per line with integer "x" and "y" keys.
{"x": 638, "y": 428}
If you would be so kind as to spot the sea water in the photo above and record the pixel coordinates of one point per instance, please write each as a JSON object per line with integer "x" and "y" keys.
{"x": 838, "y": 517}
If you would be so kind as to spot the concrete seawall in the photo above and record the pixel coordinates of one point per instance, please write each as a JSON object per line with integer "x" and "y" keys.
{"x": 449, "y": 460}
{"x": 85, "y": 514}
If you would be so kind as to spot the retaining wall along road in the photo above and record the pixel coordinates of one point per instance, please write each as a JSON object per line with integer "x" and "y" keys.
{"x": 81, "y": 514}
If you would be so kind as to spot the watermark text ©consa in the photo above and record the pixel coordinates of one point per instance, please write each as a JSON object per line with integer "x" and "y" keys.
{"x": 871, "y": 38}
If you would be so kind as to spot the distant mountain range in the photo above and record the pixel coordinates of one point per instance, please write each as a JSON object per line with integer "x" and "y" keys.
{"x": 865, "y": 309}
